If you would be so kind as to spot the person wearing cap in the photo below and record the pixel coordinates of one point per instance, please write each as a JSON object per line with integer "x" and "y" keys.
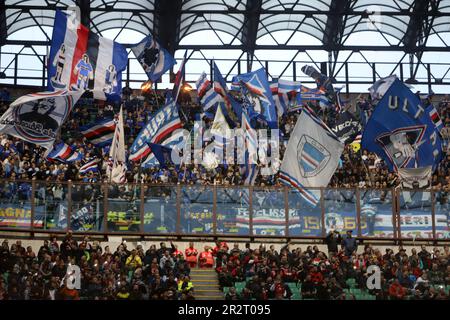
{"x": 349, "y": 244}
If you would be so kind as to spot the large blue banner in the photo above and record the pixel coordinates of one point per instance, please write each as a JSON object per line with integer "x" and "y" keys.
{"x": 402, "y": 132}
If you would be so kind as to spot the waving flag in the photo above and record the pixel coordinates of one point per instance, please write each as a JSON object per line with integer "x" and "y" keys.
{"x": 257, "y": 85}
{"x": 323, "y": 82}
{"x": 234, "y": 109}
{"x": 347, "y": 127}
{"x": 308, "y": 95}
{"x": 117, "y": 168}
{"x": 251, "y": 150}
{"x": 153, "y": 58}
{"x": 434, "y": 115}
{"x": 81, "y": 60}
{"x": 176, "y": 140}
{"x": 159, "y": 127}
{"x": 221, "y": 130}
{"x": 179, "y": 79}
{"x": 91, "y": 166}
{"x": 100, "y": 133}
{"x": 37, "y": 117}
{"x": 379, "y": 88}
{"x": 311, "y": 157}
{"x": 64, "y": 153}
{"x": 210, "y": 100}
{"x": 162, "y": 153}
{"x": 202, "y": 85}
{"x": 401, "y": 131}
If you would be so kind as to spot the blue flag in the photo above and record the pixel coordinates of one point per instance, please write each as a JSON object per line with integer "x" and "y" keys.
{"x": 153, "y": 58}
{"x": 401, "y": 131}
{"x": 220, "y": 86}
{"x": 257, "y": 85}
{"x": 162, "y": 153}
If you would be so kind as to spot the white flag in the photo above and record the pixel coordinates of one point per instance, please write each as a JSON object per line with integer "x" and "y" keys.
{"x": 311, "y": 157}
{"x": 416, "y": 177}
{"x": 117, "y": 169}
{"x": 37, "y": 117}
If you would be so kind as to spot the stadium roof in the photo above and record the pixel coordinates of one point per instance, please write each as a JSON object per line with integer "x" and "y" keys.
{"x": 331, "y": 22}
{"x": 391, "y": 33}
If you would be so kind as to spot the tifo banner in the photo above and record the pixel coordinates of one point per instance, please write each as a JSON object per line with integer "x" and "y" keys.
{"x": 81, "y": 60}
{"x": 401, "y": 132}
{"x": 19, "y": 216}
{"x": 37, "y": 117}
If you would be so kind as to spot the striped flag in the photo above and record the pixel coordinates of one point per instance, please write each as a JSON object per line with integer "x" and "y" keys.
{"x": 286, "y": 86}
{"x": 203, "y": 85}
{"x": 117, "y": 168}
{"x": 90, "y": 166}
{"x": 251, "y": 150}
{"x": 81, "y": 60}
{"x": 179, "y": 79}
{"x": 64, "y": 153}
{"x": 280, "y": 100}
{"x": 210, "y": 99}
{"x": 234, "y": 109}
{"x": 159, "y": 128}
{"x": 100, "y": 133}
{"x": 434, "y": 115}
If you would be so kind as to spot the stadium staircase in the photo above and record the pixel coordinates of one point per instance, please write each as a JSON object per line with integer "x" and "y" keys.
{"x": 206, "y": 284}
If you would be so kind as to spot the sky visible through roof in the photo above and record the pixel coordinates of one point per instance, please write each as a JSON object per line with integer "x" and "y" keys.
{"x": 359, "y": 70}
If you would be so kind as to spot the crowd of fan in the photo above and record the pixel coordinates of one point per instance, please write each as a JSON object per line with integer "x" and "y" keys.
{"x": 22, "y": 161}
{"x": 422, "y": 275}
{"x": 106, "y": 274}
{"x": 164, "y": 273}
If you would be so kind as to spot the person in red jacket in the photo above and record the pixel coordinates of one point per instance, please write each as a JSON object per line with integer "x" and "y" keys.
{"x": 206, "y": 258}
{"x": 191, "y": 255}
{"x": 396, "y": 291}
{"x": 176, "y": 253}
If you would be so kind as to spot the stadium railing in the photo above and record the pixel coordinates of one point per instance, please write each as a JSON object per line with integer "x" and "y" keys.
{"x": 221, "y": 211}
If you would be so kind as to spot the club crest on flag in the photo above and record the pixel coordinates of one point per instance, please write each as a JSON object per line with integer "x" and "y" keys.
{"x": 313, "y": 157}
{"x": 401, "y": 144}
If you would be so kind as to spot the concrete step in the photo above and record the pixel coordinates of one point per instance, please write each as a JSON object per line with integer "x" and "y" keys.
{"x": 203, "y": 276}
{"x": 206, "y": 284}
{"x": 203, "y": 271}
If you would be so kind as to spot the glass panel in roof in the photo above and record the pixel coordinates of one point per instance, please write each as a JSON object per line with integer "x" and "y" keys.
{"x": 441, "y": 24}
{"x": 213, "y": 4}
{"x": 42, "y": 17}
{"x": 384, "y": 5}
{"x": 114, "y": 19}
{"x": 444, "y": 6}
{"x": 393, "y": 26}
{"x": 296, "y": 5}
{"x": 231, "y": 23}
{"x": 129, "y": 4}
{"x": 26, "y": 3}
{"x": 270, "y": 23}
